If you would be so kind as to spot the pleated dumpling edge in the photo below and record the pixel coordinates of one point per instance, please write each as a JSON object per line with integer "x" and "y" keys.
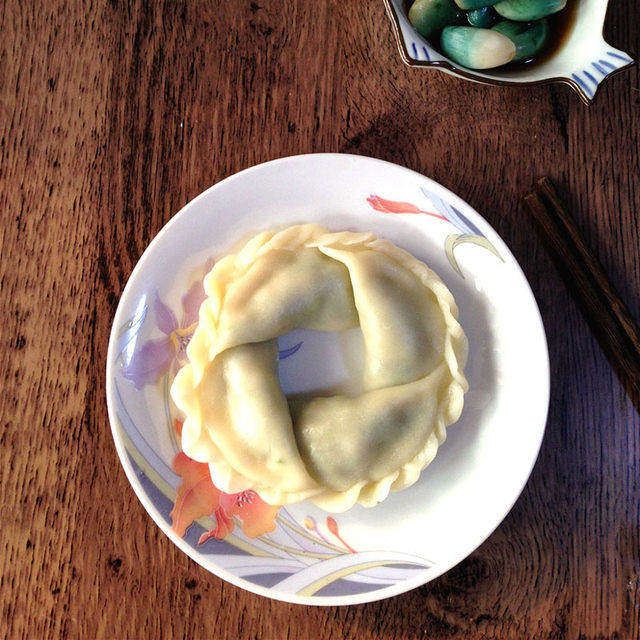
{"x": 238, "y": 418}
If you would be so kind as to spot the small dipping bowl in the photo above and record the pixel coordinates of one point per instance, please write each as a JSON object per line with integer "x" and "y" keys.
{"x": 582, "y": 59}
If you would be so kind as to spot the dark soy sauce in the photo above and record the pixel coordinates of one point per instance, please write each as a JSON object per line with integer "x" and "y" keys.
{"x": 560, "y": 26}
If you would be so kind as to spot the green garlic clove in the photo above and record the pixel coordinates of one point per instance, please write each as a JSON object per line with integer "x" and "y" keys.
{"x": 474, "y": 4}
{"x": 428, "y": 16}
{"x": 528, "y": 10}
{"x": 528, "y": 38}
{"x": 482, "y": 18}
{"x": 477, "y": 48}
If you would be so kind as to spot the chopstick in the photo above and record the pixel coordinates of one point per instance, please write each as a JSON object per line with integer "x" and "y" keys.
{"x": 600, "y": 304}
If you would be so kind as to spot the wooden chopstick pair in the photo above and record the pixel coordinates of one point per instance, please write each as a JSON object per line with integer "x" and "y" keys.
{"x": 600, "y": 304}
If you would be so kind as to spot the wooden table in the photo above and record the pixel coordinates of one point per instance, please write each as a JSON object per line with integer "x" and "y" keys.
{"x": 115, "y": 114}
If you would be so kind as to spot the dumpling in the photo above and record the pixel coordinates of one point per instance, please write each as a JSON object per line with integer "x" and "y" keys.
{"x": 346, "y": 440}
{"x": 337, "y": 450}
{"x": 267, "y": 290}
{"x": 402, "y": 324}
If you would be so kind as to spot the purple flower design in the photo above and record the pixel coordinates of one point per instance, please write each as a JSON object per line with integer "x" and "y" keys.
{"x": 157, "y": 356}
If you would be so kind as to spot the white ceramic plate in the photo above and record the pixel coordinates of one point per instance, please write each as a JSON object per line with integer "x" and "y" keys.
{"x": 415, "y": 535}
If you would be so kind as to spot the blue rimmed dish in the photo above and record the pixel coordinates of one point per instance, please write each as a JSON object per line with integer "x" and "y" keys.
{"x": 583, "y": 59}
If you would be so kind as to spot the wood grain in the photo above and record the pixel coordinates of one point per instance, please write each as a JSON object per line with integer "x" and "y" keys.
{"x": 603, "y": 309}
{"x": 113, "y": 114}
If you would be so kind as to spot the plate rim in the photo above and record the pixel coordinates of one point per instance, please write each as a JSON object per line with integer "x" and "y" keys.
{"x": 201, "y": 559}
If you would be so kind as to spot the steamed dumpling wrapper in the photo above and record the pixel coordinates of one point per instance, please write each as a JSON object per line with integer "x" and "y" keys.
{"x": 336, "y": 450}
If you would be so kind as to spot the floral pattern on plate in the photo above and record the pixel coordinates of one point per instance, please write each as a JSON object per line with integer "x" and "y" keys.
{"x": 445, "y": 211}
{"x": 300, "y": 553}
{"x": 305, "y": 558}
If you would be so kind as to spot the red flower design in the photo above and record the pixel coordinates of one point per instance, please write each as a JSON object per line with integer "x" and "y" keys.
{"x": 256, "y": 515}
{"x": 197, "y": 496}
{"x": 332, "y": 525}
{"x": 392, "y": 206}
{"x": 224, "y": 526}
